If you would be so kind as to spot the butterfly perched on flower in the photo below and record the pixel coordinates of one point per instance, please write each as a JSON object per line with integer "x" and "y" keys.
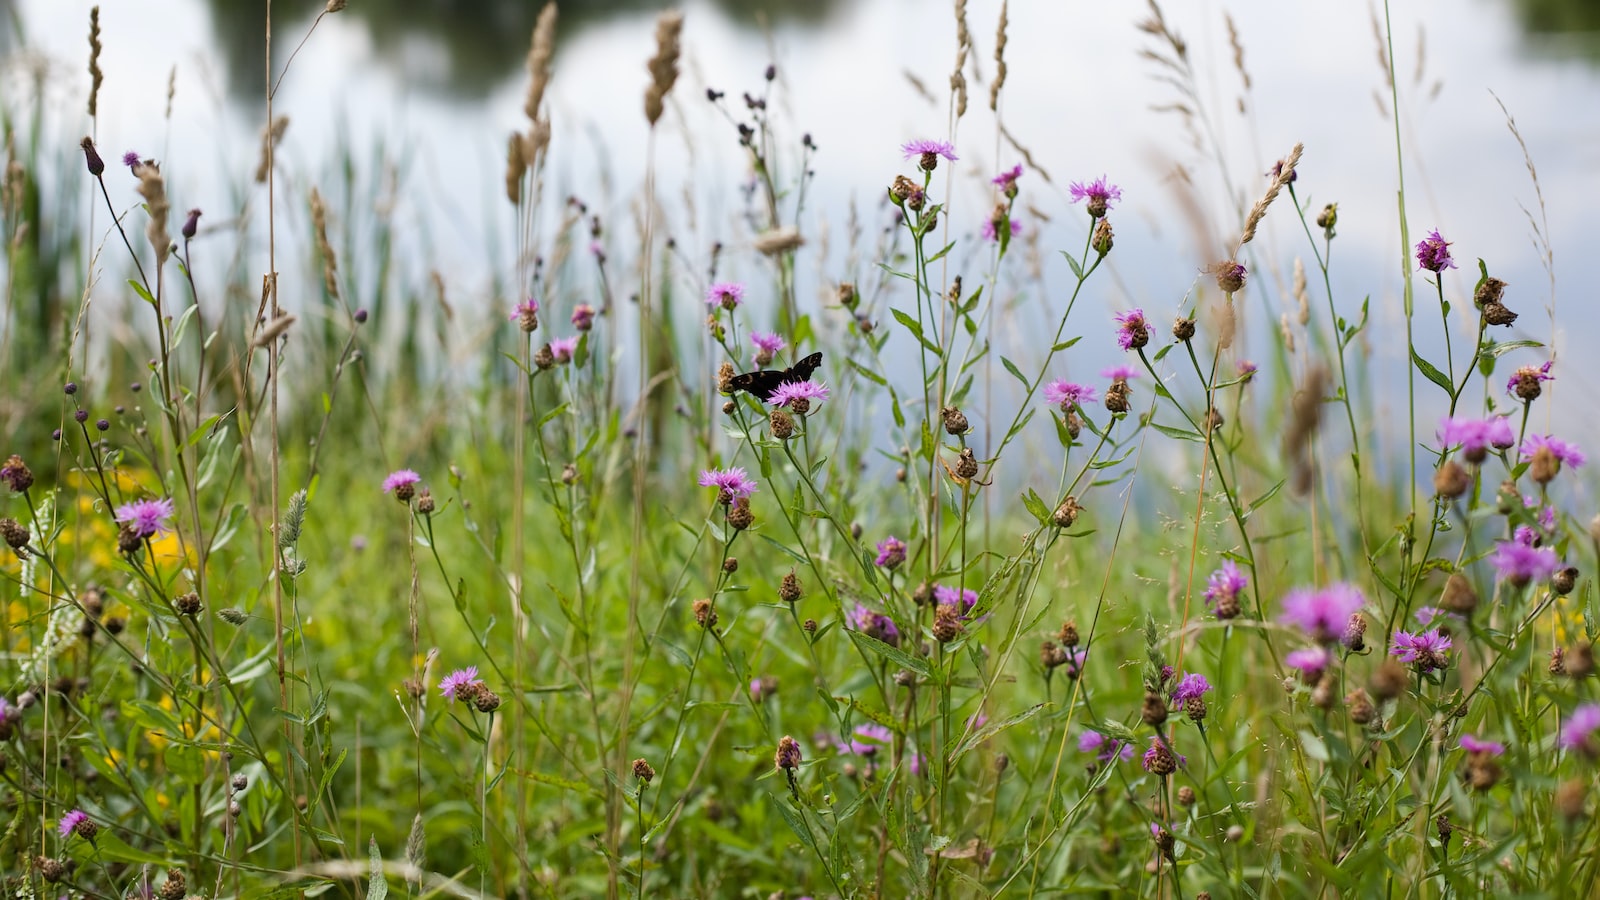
{"x": 763, "y": 382}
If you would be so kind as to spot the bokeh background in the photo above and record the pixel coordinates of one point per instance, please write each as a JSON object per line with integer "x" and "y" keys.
{"x": 414, "y": 98}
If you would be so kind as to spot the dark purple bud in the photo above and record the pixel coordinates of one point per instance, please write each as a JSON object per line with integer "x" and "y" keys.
{"x": 361, "y": 317}
{"x": 70, "y": 387}
{"x": 103, "y": 425}
{"x": 191, "y": 224}
{"x": 772, "y": 72}
{"x": 55, "y": 435}
{"x": 81, "y": 415}
{"x": 135, "y": 387}
{"x": 92, "y": 157}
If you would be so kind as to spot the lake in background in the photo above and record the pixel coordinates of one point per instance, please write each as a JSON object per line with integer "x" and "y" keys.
{"x": 436, "y": 87}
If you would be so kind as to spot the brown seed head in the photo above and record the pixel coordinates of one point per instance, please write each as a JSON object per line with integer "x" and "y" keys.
{"x": 788, "y": 756}
{"x": 1359, "y": 703}
{"x": 966, "y": 464}
{"x": 946, "y": 623}
{"x": 1389, "y": 681}
{"x": 643, "y": 771}
{"x": 1154, "y": 709}
{"x": 1103, "y": 238}
{"x": 955, "y": 422}
{"x": 781, "y": 423}
{"x": 789, "y": 588}
{"x": 704, "y": 613}
{"x": 1183, "y": 329}
{"x": 739, "y": 514}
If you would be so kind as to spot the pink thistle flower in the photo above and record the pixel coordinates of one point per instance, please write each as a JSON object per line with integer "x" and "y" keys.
{"x": 71, "y": 822}
{"x": 949, "y": 596}
{"x": 1226, "y": 583}
{"x": 1007, "y": 180}
{"x": 1425, "y": 651}
{"x": 1105, "y": 749}
{"x": 891, "y": 552}
{"x": 867, "y": 740}
{"x": 1563, "y": 451}
{"x": 1474, "y": 744}
{"x": 875, "y": 625}
{"x": 1120, "y": 373}
{"x": 460, "y": 683}
{"x": 1192, "y": 687}
{"x": 1524, "y": 382}
{"x": 929, "y": 151}
{"x": 731, "y": 484}
{"x": 1133, "y": 330}
{"x": 1311, "y": 661}
{"x": 399, "y": 479}
{"x": 726, "y": 294}
{"x": 583, "y": 317}
{"x": 1067, "y": 394}
{"x": 1098, "y": 193}
{"x": 991, "y": 232}
{"x": 1246, "y": 369}
{"x": 147, "y": 518}
{"x": 1577, "y": 733}
{"x": 1520, "y": 563}
{"x": 1433, "y": 253}
{"x": 1323, "y": 614}
{"x": 790, "y": 391}
{"x": 563, "y": 348}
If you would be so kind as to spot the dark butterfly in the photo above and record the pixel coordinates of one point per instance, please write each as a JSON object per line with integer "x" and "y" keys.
{"x": 763, "y": 382}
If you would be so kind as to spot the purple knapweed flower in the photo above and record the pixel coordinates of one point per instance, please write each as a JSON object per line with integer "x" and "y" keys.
{"x": 1310, "y": 661}
{"x": 1160, "y": 758}
{"x": 875, "y": 625}
{"x": 1120, "y": 373}
{"x": 72, "y": 821}
{"x": 1564, "y": 451}
{"x": 1476, "y": 436}
{"x": 1133, "y": 329}
{"x": 131, "y": 158}
{"x": 1524, "y": 382}
{"x": 1474, "y": 744}
{"x": 1098, "y": 193}
{"x": 767, "y": 346}
{"x": 458, "y": 684}
{"x": 991, "y": 231}
{"x": 1007, "y": 181}
{"x": 1428, "y": 615}
{"x": 1105, "y": 749}
{"x": 399, "y": 479}
{"x": 563, "y": 348}
{"x": 1520, "y": 563}
{"x": 527, "y": 308}
{"x": 1067, "y": 394}
{"x": 1577, "y": 733}
{"x": 891, "y": 552}
{"x": 1191, "y": 687}
{"x": 1526, "y": 535}
{"x": 790, "y": 391}
{"x": 147, "y": 518}
{"x": 866, "y": 740}
{"x": 731, "y": 484}
{"x": 1246, "y": 369}
{"x": 949, "y": 596}
{"x": 1433, "y": 253}
{"x": 1323, "y": 614}
{"x": 1225, "y": 585}
{"x": 927, "y": 151}
{"x": 726, "y": 294}
{"x": 1425, "y": 651}
{"x": 583, "y": 317}
{"x": 1075, "y": 660}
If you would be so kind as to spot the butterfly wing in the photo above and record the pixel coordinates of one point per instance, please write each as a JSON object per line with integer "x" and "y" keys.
{"x": 762, "y": 382}
{"x": 802, "y": 370}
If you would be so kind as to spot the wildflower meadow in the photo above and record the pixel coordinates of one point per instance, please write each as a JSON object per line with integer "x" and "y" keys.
{"x": 826, "y": 554}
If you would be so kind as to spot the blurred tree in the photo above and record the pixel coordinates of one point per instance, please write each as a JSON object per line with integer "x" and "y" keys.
{"x": 480, "y": 41}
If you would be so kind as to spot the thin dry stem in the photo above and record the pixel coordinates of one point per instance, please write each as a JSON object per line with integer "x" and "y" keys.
{"x": 1285, "y": 172}
{"x": 271, "y": 136}
{"x": 330, "y": 262}
{"x": 663, "y": 67}
{"x": 999, "y": 57}
{"x": 96, "y": 77}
